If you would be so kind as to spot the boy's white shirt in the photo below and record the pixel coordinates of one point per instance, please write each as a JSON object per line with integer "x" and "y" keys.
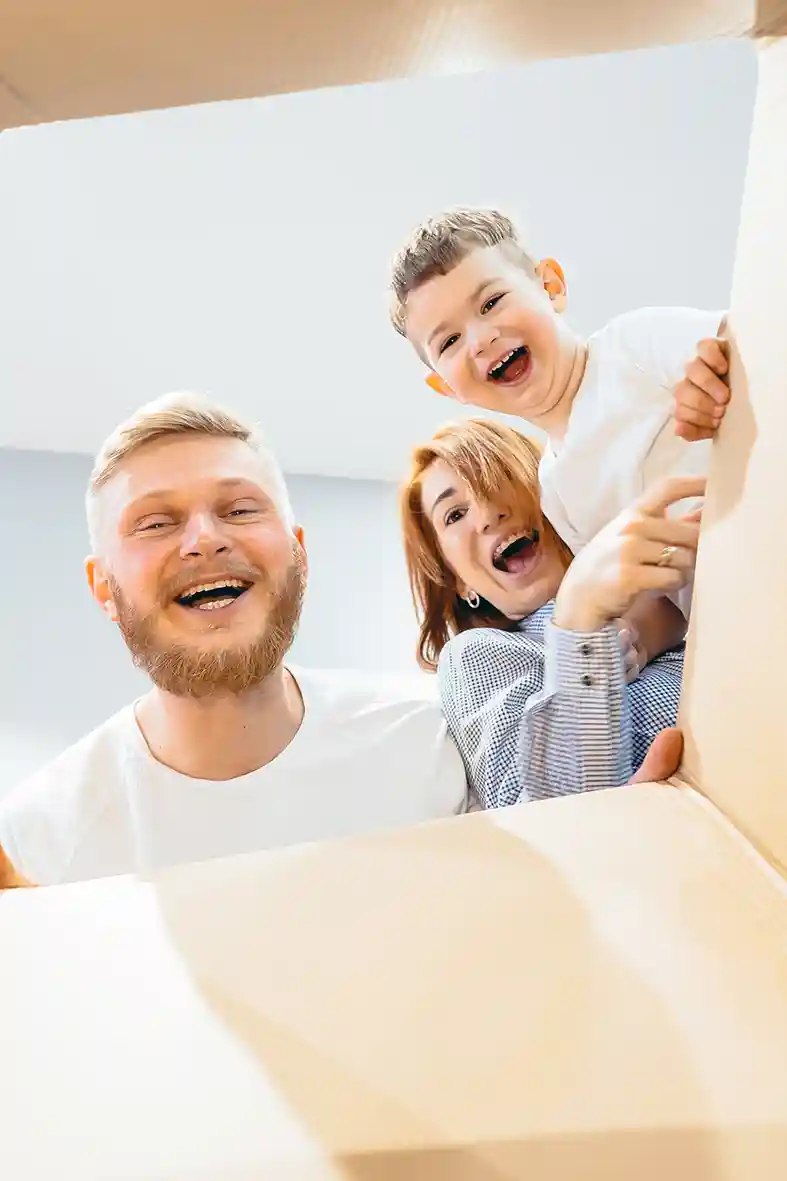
{"x": 621, "y": 434}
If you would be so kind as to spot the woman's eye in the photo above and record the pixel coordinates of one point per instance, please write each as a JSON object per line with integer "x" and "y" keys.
{"x": 490, "y": 303}
{"x": 447, "y": 343}
{"x": 453, "y": 515}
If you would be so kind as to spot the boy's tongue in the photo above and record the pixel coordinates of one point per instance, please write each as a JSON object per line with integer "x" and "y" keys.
{"x": 515, "y": 369}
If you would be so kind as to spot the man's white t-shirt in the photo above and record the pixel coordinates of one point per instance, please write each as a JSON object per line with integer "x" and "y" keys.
{"x": 366, "y": 757}
{"x": 621, "y": 434}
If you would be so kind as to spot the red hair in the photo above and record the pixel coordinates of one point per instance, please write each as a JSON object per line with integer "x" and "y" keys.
{"x": 498, "y": 464}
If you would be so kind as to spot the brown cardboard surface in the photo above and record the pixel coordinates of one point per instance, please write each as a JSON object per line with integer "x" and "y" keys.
{"x": 593, "y": 987}
{"x": 735, "y": 707}
{"x": 65, "y": 59}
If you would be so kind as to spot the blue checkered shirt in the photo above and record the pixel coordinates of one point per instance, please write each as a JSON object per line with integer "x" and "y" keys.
{"x": 541, "y": 712}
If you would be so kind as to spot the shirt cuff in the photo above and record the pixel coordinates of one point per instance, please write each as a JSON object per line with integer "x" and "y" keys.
{"x": 584, "y": 663}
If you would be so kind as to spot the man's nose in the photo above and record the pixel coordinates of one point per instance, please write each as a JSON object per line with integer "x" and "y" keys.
{"x": 203, "y": 538}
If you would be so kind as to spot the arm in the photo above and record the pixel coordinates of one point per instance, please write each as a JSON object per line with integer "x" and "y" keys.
{"x": 534, "y": 721}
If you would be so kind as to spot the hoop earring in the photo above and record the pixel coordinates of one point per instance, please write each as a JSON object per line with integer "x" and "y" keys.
{"x": 472, "y": 600}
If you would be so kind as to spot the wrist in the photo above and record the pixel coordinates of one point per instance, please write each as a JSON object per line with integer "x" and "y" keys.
{"x": 577, "y": 617}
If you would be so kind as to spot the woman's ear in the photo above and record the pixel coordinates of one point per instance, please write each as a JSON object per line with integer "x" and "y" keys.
{"x": 551, "y": 275}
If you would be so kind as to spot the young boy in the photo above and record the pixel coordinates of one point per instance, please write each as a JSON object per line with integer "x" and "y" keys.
{"x": 618, "y": 409}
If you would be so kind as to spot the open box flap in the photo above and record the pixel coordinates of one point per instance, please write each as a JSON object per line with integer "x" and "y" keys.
{"x": 590, "y": 987}
{"x": 67, "y": 59}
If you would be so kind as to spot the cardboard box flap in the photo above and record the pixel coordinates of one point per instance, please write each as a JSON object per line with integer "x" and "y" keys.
{"x": 734, "y": 704}
{"x": 591, "y": 987}
{"x": 66, "y": 60}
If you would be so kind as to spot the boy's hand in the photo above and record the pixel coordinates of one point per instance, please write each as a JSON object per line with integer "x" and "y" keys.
{"x": 701, "y": 398}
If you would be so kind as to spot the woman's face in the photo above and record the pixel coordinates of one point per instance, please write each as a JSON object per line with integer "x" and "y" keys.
{"x": 502, "y": 559}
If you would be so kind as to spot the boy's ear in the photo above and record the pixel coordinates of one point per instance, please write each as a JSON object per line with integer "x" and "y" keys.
{"x": 551, "y": 275}
{"x": 439, "y": 386}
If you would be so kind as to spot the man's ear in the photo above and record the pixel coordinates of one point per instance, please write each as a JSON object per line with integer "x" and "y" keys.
{"x": 99, "y": 587}
{"x": 551, "y": 275}
{"x": 300, "y": 538}
{"x": 437, "y": 384}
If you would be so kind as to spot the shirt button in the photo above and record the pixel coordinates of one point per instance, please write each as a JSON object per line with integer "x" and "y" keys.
{"x": 585, "y": 650}
{"x": 587, "y": 680}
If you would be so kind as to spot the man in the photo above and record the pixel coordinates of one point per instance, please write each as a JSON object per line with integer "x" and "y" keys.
{"x": 197, "y": 561}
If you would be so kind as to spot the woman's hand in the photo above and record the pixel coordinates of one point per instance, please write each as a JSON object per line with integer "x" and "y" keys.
{"x": 635, "y": 655}
{"x": 641, "y": 550}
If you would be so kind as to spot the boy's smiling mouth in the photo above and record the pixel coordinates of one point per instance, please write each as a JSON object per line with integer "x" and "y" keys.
{"x": 511, "y": 368}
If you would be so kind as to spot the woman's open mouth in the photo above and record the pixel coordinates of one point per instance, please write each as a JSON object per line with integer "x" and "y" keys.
{"x": 213, "y": 596}
{"x": 512, "y": 368}
{"x": 516, "y": 553}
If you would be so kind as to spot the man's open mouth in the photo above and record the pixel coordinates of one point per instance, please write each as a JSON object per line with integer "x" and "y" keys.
{"x": 510, "y": 368}
{"x": 514, "y": 553}
{"x": 210, "y": 596}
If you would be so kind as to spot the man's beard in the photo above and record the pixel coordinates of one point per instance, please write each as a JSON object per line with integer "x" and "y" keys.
{"x": 185, "y": 671}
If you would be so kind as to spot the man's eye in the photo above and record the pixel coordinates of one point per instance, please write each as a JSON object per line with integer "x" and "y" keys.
{"x": 490, "y": 303}
{"x": 447, "y": 343}
{"x": 151, "y": 526}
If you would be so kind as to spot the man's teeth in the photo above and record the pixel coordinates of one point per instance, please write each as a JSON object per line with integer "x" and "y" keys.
{"x": 213, "y": 604}
{"x": 209, "y": 586}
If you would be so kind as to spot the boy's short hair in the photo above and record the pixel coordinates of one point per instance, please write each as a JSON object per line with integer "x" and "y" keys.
{"x": 440, "y": 243}
{"x": 179, "y": 414}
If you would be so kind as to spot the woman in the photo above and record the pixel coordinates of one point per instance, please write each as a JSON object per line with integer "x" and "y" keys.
{"x": 526, "y": 641}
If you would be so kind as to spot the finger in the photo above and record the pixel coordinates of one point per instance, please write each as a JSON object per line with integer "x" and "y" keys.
{"x": 690, "y": 399}
{"x": 702, "y": 376}
{"x": 705, "y": 420}
{"x": 665, "y": 493}
{"x": 713, "y": 352}
{"x": 694, "y": 434}
{"x": 665, "y": 555}
{"x": 662, "y": 760}
{"x": 669, "y": 531}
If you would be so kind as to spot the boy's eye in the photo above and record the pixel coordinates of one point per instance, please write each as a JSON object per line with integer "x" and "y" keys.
{"x": 447, "y": 343}
{"x": 490, "y": 303}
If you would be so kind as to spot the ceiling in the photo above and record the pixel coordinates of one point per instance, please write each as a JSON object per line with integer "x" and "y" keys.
{"x": 241, "y": 249}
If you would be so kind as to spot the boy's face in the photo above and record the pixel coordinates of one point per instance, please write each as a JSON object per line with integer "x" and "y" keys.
{"x": 492, "y": 333}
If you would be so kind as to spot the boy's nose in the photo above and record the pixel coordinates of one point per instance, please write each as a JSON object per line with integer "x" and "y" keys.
{"x": 482, "y": 336}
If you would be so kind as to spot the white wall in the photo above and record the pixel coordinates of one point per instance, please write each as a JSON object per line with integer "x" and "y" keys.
{"x": 64, "y": 668}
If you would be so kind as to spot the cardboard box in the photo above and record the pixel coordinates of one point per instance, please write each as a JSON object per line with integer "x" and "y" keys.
{"x": 591, "y": 987}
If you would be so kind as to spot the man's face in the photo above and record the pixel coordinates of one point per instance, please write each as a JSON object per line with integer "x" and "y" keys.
{"x": 197, "y": 565}
{"x": 490, "y": 330}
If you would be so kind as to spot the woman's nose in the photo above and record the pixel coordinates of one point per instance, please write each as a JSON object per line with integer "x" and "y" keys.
{"x": 490, "y": 518}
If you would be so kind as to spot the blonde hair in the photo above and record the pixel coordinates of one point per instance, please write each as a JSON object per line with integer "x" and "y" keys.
{"x": 500, "y": 466}
{"x": 174, "y": 415}
{"x": 440, "y": 243}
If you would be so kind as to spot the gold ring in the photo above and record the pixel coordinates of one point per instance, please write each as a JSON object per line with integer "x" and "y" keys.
{"x": 666, "y": 555}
